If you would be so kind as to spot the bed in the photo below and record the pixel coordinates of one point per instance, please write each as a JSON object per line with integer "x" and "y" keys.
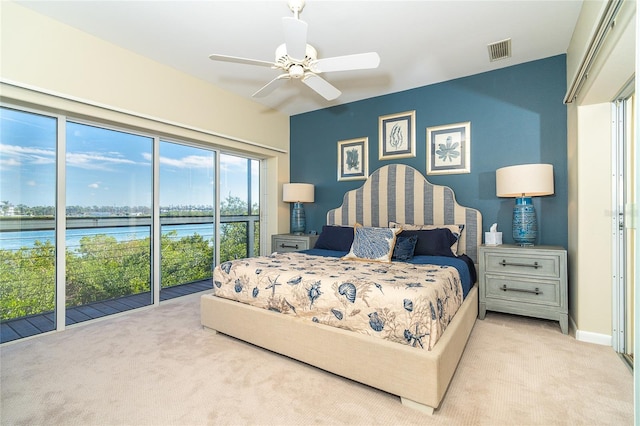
{"x": 417, "y": 366}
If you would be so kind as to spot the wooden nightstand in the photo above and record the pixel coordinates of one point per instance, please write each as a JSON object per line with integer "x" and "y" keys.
{"x": 283, "y": 243}
{"x": 529, "y": 281}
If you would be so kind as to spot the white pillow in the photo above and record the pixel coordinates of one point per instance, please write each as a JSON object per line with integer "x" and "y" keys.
{"x": 372, "y": 244}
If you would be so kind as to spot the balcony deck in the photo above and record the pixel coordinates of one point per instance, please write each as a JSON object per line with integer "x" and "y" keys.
{"x": 41, "y": 323}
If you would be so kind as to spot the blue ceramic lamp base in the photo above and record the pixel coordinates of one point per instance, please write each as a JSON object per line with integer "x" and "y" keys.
{"x": 525, "y": 223}
{"x": 298, "y": 219}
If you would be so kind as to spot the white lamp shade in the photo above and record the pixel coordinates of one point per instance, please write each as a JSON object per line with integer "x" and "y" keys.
{"x": 526, "y": 180}
{"x": 297, "y": 193}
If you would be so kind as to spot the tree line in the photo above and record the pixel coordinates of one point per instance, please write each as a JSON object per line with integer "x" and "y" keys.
{"x": 229, "y": 207}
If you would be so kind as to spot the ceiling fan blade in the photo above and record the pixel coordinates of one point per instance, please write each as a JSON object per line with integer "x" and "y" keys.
{"x": 358, "y": 61}
{"x": 295, "y": 37}
{"x": 322, "y": 86}
{"x": 271, "y": 86}
{"x": 225, "y": 58}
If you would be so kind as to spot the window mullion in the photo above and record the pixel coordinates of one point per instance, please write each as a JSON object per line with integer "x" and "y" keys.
{"x": 216, "y": 207}
{"x": 61, "y": 226}
{"x": 156, "y": 281}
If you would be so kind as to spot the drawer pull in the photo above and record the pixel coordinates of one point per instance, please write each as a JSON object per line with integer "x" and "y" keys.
{"x": 535, "y": 264}
{"x": 283, "y": 245}
{"x": 521, "y": 290}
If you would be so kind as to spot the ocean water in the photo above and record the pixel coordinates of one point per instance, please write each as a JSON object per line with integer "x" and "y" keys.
{"x": 17, "y": 240}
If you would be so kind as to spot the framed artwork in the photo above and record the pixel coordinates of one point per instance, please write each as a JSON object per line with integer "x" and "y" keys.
{"x": 449, "y": 149}
{"x": 397, "y": 135}
{"x": 353, "y": 159}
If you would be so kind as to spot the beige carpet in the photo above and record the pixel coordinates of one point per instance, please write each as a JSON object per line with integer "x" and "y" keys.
{"x": 159, "y": 367}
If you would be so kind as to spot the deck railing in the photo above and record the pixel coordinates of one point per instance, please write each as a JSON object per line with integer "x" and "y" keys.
{"x": 107, "y": 270}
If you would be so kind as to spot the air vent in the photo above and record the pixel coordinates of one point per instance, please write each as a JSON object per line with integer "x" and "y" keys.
{"x": 499, "y": 50}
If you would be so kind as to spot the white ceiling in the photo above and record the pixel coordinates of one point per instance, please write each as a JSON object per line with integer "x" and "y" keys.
{"x": 419, "y": 42}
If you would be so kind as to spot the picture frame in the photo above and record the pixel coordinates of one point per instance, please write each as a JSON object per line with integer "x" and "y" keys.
{"x": 449, "y": 149}
{"x": 397, "y": 135}
{"x": 353, "y": 159}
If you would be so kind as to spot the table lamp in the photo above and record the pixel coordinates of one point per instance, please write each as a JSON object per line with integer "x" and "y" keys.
{"x": 523, "y": 182}
{"x": 297, "y": 193}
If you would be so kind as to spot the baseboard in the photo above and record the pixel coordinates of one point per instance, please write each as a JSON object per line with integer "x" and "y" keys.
{"x": 597, "y": 338}
{"x": 588, "y": 336}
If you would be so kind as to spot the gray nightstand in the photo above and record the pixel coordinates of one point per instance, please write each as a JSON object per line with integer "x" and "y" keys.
{"x": 529, "y": 281}
{"x": 283, "y": 243}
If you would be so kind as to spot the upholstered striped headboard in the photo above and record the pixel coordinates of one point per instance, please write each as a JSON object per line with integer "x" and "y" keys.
{"x": 399, "y": 193}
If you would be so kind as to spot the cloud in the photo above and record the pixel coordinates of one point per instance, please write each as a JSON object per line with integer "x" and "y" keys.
{"x": 31, "y": 183}
{"x": 26, "y": 150}
{"x": 96, "y": 160}
{"x": 14, "y": 155}
{"x": 95, "y": 185}
{"x": 10, "y": 162}
{"x": 188, "y": 162}
{"x": 233, "y": 163}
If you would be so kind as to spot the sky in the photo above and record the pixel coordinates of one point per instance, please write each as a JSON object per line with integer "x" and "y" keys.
{"x": 107, "y": 167}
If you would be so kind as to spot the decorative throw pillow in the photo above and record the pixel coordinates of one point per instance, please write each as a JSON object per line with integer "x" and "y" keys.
{"x": 456, "y": 230}
{"x": 374, "y": 244}
{"x": 338, "y": 238}
{"x": 405, "y": 246}
{"x": 432, "y": 242}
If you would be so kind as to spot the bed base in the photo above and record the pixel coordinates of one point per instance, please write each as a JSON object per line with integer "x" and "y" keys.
{"x": 419, "y": 377}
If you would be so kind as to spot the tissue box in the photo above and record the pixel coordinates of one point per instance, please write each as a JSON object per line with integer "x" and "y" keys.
{"x": 493, "y": 238}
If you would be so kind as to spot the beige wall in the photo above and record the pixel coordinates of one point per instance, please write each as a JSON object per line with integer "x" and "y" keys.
{"x": 88, "y": 73}
{"x": 589, "y": 169}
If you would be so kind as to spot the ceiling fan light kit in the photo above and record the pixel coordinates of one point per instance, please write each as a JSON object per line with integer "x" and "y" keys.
{"x": 299, "y": 61}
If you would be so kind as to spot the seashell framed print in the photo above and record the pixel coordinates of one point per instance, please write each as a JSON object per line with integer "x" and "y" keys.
{"x": 449, "y": 149}
{"x": 353, "y": 159}
{"x": 397, "y": 135}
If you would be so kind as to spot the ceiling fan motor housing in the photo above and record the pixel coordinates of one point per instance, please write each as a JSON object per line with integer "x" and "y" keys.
{"x": 295, "y": 68}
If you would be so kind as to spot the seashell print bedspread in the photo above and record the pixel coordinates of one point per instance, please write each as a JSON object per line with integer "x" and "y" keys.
{"x": 401, "y": 302}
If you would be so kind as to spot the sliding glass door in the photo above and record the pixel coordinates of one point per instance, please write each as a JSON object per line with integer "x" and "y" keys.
{"x": 86, "y": 231}
{"x": 27, "y": 223}
{"x": 108, "y": 221}
{"x": 625, "y": 228}
{"x": 630, "y": 227}
{"x": 239, "y": 207}
{"x": 187, "y": 214}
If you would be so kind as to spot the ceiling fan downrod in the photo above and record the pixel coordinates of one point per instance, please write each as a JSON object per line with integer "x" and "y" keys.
{"x": 296, "y": 7}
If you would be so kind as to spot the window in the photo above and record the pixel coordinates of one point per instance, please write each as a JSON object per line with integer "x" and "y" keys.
{"x": 27, "y": 221}
{"x": 108, "y": 215}
{"x": 187, "y": 214}
{"x": 239, "y": 207}
{"x": 107, "y": 247}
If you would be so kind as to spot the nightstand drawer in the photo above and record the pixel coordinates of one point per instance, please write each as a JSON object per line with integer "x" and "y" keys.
{"x": 289, "y": 244}
{"x": 284, "y": 243}
{"x": 515, "y": 289}
{"x": 538, "y": 265}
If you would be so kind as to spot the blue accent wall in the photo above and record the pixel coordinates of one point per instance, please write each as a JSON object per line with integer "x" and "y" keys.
{"x": 517, "y": 117}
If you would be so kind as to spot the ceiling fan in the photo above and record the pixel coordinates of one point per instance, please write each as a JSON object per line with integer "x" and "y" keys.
{"x": 298, "y": 61}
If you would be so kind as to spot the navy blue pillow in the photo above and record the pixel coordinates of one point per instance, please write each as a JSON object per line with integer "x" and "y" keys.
{"x": 405, "y": 247}
{"x": 339, "y": 238}
{"x": 432, "y": 242}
